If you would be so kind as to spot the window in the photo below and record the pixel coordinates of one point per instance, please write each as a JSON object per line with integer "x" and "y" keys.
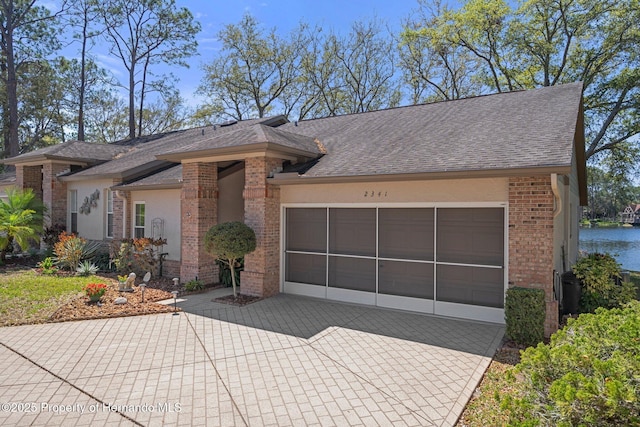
{"x": 109, "y": 213}
{"x": 73, "y": 210}
{"x": 138, "y": 227}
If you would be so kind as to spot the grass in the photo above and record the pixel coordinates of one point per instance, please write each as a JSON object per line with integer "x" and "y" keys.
{"x": 26, "y": 297}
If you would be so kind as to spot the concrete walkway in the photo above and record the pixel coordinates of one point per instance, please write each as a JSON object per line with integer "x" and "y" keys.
{"x": 282, "y": 361}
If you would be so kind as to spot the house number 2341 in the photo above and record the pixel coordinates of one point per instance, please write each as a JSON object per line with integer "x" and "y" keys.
{"x": 375, "y": 194}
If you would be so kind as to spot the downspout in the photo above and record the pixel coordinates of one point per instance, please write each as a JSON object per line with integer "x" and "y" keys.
{"x": 122, "y": 195}
{"x": 557, "y": 210}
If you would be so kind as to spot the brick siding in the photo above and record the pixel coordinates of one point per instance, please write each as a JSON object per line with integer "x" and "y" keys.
{"x": 54, "y": 193}
{"x": 199, "y": 203}
{"x": 262, "y": 213}
{"x": 531, "y": 240}
{"x": 29, "y": 177}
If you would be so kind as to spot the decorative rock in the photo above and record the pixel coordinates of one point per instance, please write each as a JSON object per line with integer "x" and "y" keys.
{"x": 120, "y": 300}
{"x": 128, "y": 286}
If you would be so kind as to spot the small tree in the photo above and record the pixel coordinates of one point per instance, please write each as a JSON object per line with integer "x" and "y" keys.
{"x": 229, "y": 242}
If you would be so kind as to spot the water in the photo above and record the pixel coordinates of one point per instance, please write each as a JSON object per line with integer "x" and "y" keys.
{"x": 623, "y": 243}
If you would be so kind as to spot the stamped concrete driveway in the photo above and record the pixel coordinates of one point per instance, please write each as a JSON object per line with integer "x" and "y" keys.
{"x": 282, "y": 361}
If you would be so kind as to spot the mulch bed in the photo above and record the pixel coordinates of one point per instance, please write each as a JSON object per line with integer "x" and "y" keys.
{"x": 82, "y": 309}
{"x": 239, "y": 301}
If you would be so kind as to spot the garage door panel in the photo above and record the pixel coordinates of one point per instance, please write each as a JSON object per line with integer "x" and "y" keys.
{"x": 306, "y": 230}
{"x": 305, "y": 268}
{"x": 407, "y": 279}
{"x": 406, "y": 233}
{"x": 471, "y": 236}
{"x": 352, "y": 231}
{"x": 470, "y": 285}
{"x": 352, "y": 273}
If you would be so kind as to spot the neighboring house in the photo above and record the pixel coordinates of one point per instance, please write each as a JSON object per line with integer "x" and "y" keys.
{"x": 435, "y": 208}
{"x": 7, "y": 181}
{"x": 631, "y": 214}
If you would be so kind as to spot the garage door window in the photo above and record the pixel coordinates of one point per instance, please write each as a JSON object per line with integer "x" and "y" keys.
{"x": 306, "y": 242}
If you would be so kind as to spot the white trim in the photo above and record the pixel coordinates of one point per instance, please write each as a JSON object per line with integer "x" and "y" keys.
{"x": 317, "y": 291}
{"x": 467, "y": 311}
{"x": 405, "y": 303}
{"x": 135, "y": 218}
{"x": 399, "y": 205}
{"x": 352, "y": 296}
{"x": 109, "y": 192}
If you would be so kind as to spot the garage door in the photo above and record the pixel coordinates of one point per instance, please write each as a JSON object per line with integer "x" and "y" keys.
{"x": 441, "y": 260}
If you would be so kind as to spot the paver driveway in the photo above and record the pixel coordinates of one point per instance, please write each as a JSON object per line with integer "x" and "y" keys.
{"x": 285, "y": 360}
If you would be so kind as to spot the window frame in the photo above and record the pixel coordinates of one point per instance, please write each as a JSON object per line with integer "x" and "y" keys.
{"x": 109, "y": 214}
{"x": 73, "y": 211}
{"x": 136, "y": 225}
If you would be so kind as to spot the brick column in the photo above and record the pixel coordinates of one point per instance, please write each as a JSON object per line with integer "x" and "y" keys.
{"x": 199, "y": 211}
{"x": 29, "y": 177}
{"x": 262, "y": 213}
{"x": 54, "y": 194}
{"x": 531, "y": 240}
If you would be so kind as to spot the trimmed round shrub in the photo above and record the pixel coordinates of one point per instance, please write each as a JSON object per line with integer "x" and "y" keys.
{"x": 229, "y": 242}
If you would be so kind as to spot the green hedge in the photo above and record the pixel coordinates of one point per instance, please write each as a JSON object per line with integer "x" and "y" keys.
{"x": 588, "y": 375}
{"x": 524, "y": 314}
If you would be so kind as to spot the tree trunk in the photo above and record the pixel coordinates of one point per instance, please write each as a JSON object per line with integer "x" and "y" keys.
{"x": 12, "y": 146}
{"x": 132, "y": 103}
{"x": 233, "y": 277}
{"x": 83, "y": 78}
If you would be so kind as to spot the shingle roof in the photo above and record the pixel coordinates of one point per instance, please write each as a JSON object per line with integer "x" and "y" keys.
{"x": 525, "y": 129}
{"x": 141, "y": 153}
{"x": 249, "y": 135}
{"x": 171, "y": 177}
{"x": 71, "y": 150}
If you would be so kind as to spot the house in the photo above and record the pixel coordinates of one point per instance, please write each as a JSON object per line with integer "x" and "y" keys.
{"x": 631, "y": 214}
{"x": 436, "y": 208}
{"x": 7, "y": 181}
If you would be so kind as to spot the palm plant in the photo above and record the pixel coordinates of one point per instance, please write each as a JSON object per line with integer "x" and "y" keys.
{"x": 21, "y": 219}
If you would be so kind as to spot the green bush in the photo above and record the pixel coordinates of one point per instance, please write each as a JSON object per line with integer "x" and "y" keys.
{"x": 524, "y": 314}
{"x": 599, "y": 274}
{"x": 86, "y": 268}
{"x": 193, "y": 285}
{"x": 588, "y": 375}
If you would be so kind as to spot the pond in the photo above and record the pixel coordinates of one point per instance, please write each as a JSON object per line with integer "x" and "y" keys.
{"x": 623, "y": 243}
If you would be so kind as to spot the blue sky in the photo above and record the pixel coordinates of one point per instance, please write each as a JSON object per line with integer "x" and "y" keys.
{"x": 284, "y": 15}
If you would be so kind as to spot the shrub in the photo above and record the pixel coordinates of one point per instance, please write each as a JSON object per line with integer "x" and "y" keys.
{"x": 70, "y": 250}
{"x": 587, "y": 375}
{"x": 137, "y": 255}
{"x": 229, "y": 242}
{"x": 51, "y": 235}
{"x": 47, "y": 266}
{"x": 598, "y": 273}
{"x": 524, "y": 314}
{"x": 95, "y": 291}
{"x": 193, "y": 285}
{"x": 87, "y": 268}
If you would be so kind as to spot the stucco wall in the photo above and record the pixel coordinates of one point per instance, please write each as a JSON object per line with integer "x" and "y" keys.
{"x": 230, "y": 201}
{"x": 90, "y": 226}
{"x": 164, "y": 204}
{"x": 454, "y": 191}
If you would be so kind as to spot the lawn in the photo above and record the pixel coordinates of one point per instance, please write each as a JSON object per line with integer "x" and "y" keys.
{"x": 27, "y": 297}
